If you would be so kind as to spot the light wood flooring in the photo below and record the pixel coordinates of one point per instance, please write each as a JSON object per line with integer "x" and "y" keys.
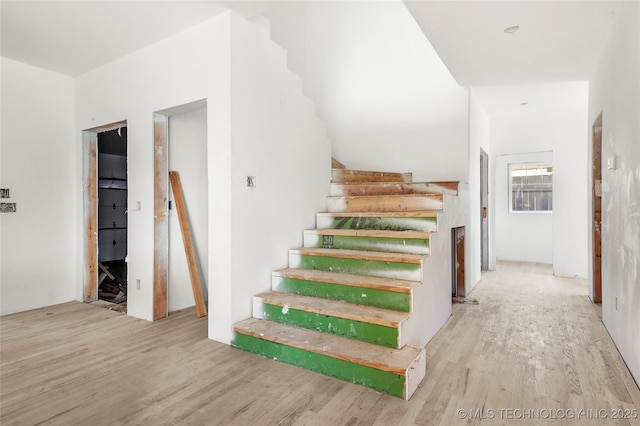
{"x": 533, "y": 345}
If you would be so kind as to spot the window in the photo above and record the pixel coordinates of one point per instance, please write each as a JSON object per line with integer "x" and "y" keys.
{"x": 531, "y": 187}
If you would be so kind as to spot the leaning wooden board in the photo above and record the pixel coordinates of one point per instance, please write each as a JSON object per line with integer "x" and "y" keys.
{"x": 194, "y": 273}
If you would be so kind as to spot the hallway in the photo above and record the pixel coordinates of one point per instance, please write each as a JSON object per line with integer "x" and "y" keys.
{"x": 532, "y": 348}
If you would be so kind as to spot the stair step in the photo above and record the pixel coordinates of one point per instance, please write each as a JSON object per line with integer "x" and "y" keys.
{"x": 368, "y": 239}
{"x": 385, "y": 203}
{"x": 393, "y": 188}
{"x": 358, "y": 289}
{"x": 422, "y": 221}
{"x": 402, "y": 266}
{"x": 365, "y": 323}
{"x": 350, "y": 176}
{"x": 397, "y": 372}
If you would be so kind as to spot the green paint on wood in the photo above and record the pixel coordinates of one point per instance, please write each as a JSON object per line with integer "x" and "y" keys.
{"x": 382, "y": 381}
{"x": 357, "y": 295}
{"x": 423, "y": 224}
{"x": 389, "y": 245}
{"x": 376, "y": 268}
{"x": 363, "y": 331}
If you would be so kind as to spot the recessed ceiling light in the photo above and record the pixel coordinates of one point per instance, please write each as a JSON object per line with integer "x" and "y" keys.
{"x": 511, "y": 30}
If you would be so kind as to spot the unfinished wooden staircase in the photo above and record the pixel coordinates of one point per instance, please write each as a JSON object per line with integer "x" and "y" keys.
{"x": 342, "y": 308}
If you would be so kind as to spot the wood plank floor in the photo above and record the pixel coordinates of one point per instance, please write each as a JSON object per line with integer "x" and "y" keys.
{"x": 532, "y": 345}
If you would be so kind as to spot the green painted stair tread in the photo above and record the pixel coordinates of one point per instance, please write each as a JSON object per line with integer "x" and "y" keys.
{"x": 389, "y": 188}
{"x": 397, "y": 361}
{"x": 366, "y": 290}
{"x": 387, "y": 203}
{"x": 355, "y": 280}
{"x": 420, "y": 221}
{"x": 360, "y": 255}
{"x": 333, "y": 308}
{"x": 404, "y": 266}
{"x": 363, "y": 323}
{"x": 370, "y": 233}
{"x": 414, "y": 213}
{"x": 347, "y": 175}
{"x": 397, "y": 372}
{"x": 368, "y": 240}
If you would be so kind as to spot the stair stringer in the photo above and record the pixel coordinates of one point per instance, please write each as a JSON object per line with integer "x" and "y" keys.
{"x": 432, "y": 300}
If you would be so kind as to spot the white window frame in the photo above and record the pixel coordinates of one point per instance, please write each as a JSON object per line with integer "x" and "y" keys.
{"x": 532, "y": 164}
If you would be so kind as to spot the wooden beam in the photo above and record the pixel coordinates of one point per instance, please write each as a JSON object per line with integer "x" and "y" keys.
{"x": 192, "y": 262}
{"x": 161, "y": 216}
{"x": 90, "y": 290}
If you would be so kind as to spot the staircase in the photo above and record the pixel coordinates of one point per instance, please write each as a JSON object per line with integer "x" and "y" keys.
{"x": 343, "y": 306}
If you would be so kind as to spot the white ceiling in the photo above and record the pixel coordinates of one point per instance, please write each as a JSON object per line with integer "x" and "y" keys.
{"x": 532, "y": 98}
{"x": 558, "y": 41}
{"x": 558, "y": 44}
{"x": 73, "y": 37}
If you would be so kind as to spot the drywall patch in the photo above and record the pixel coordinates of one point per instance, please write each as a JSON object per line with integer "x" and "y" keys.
{"x": 621, "y": 228}
{"x": 630, "y": 186}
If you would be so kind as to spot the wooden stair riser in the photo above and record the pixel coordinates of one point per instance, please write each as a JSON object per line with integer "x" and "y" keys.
{"x": 352, "y": 329}
{"x": 367, "y": 243}
{"x": 399, "y": 301}
{"x": 385, "y": 203}
{"x": 392, "y": 188}
{"x": 357, "y": 176}
{"x": 383, "y": 223}
{"x": 383, "y": 381}
{"x": 376, "y": 268}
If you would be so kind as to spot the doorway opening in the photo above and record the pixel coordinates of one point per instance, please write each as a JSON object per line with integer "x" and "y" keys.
{"x": 484, "y": 206}
{"x": 105, "y": 213}
{"x": 597, "y": 209}
{"x": 112, "y": 215}
{"x": 457, "y": 262}
{"x": 180, "y": 144}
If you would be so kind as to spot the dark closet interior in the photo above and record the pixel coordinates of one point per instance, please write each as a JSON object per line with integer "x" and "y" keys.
{"x": 112, "y": 215}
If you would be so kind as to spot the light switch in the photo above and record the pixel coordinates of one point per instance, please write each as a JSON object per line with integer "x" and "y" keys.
{"x": 611, "y": 163}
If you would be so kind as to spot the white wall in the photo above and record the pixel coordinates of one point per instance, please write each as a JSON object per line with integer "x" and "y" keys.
{"x": 563, "y": 131}
{"x": 615, "y": 91}
{"x": 278, "y": 139}
{"x": 388, "y": 100}
{"x": 189, "y": 66}
{"x": 434, "y": 295}
{"x": 37, "y": 244}
{"x": 188, "y": 156}
{"x": 258, "y": 124}
{"x": 524, "y": 237}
